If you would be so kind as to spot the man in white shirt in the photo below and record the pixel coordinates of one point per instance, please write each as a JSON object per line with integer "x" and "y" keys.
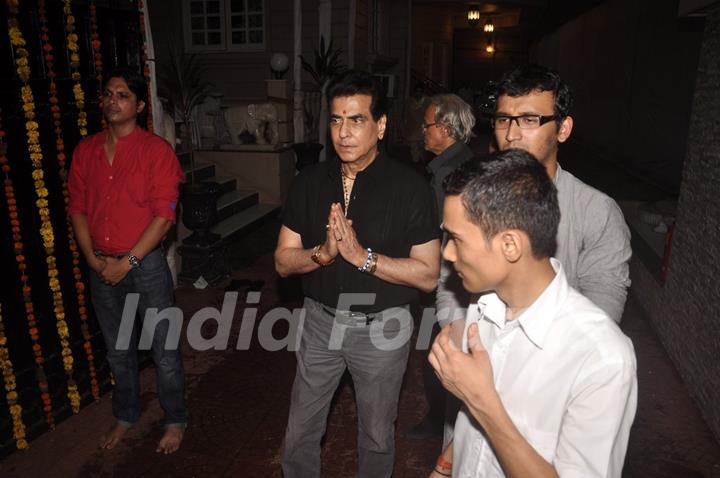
{"x": 547, "y": 379}
{"x": 533, "y": 113}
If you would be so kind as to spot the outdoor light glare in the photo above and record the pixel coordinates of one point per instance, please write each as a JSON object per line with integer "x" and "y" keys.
{"x": 489, "y": 27}
{"x": 473, "y": 16}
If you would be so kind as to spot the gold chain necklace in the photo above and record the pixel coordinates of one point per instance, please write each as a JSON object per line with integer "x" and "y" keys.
{"x": 347, "y": 190}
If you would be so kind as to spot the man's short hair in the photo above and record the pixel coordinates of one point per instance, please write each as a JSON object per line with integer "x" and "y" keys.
{"x": 509, "y": 190}
{"x": 356, "y": 82}
{"x": 525, "y": 79}
{"x": 136, "y": 83}
{"x": 454, "y": 114}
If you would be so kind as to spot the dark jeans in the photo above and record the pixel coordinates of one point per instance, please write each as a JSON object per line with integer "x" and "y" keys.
{"x": 377, "y": 374}
{"x": 153, "y": 282}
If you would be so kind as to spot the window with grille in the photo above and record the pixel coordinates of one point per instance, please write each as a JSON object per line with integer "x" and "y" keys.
{"x": 224, "y": 25}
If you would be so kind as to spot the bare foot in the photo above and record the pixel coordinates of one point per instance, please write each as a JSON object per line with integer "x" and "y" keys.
{"x": 113, "y": 437}
{"x": 170, "y": 442}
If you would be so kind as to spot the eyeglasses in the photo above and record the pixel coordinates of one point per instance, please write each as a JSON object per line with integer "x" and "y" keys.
{"x": 523, "y": 121}
{"x": 426, "y": 126}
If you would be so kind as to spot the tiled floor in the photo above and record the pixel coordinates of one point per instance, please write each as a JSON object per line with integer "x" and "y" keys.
{"x": 238, "y": 401}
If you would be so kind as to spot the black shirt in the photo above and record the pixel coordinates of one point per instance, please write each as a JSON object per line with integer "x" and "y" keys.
{"x": 392, "y": 209}
{"x": 444, "y": 164}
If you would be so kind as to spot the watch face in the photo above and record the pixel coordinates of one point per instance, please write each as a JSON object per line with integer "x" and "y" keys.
{"x": 134, "y": 261}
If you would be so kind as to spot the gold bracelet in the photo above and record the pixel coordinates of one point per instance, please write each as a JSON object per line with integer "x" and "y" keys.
{"x": 316, "y": 257}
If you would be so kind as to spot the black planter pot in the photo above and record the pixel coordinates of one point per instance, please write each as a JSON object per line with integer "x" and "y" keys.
{"x": 199, "y": 203}
{"x": 306, "y": 154}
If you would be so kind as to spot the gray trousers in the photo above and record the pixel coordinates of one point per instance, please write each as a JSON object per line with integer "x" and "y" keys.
{"x": 376, "y": 356}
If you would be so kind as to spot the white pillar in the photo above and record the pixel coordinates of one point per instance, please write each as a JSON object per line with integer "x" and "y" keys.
{"x": 298, "y": 106}
{"x": 325, "y": 19}
{"x": 408, "y": 51}
{"x": 325, "y": 22}
{"x": 352, "y": 18}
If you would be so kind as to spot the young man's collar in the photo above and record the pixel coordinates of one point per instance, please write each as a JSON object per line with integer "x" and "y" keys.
{"x": 537, "y": 319}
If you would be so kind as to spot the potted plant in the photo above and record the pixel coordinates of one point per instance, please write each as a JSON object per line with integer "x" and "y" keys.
{"x": 180, "y": 81}
{"x": 325, "y": 66}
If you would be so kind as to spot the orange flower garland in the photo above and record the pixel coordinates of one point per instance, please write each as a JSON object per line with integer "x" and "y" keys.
{"x": 19, "y": 253}
{"x": 96, "y": 44}
{"x": 46, "y": 229}
{"x": 74, "y": 49}
{"x": 146, "y": 67}
{"x": 60, "y": 148}
{"x": 11, "y": 395}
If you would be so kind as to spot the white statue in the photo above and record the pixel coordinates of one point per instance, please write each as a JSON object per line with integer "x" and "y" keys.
{"x": 260, "y": 120}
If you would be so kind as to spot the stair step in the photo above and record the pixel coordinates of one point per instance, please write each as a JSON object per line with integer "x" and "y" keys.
{"x": 244, "y": 221}
{"x": 235, "y": 201}
{"x": 227, "y": 183}
{"x": 202, "y": 171}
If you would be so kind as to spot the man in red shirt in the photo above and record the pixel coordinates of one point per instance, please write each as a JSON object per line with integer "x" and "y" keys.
{"x": 123, "y": 191}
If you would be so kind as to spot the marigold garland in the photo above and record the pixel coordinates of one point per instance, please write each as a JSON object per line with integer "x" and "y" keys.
{"x": 96, "y": 44}
{"x": 60, "y": 150}
{"x": 74, "y": 50}
{"x": 11, "y": 394}
{"x": 146, "y": 67}
{"x": 46, "y": 229}
{"x": 20, "y": 259}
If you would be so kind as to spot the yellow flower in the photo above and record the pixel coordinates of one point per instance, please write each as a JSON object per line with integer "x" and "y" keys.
{"x": 16, "y": 37}
{"x": 38, "y": 174}
{"x": 26, "y": 94}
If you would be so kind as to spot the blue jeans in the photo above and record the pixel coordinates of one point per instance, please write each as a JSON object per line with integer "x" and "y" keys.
{"x": 377, "y": 375}
{"x": 153, "y": 282}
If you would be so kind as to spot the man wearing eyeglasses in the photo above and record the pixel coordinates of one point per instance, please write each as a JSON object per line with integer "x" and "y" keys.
{"x": 593, "y": 241}
{"x": 447, "y": 128}
{"x": 533, "y": 114}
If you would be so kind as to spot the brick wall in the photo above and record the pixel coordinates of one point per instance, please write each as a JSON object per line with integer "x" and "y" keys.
{"x": 686, "y": 310}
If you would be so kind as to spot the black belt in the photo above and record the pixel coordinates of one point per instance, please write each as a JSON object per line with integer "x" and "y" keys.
{"x": 359, "y": 316}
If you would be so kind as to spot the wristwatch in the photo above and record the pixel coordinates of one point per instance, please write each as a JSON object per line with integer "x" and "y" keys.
{"x": 134, "y": 261}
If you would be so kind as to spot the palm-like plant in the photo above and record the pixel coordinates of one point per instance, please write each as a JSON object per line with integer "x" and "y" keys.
{"x": 327, "y": 63}
{"x": 180, "y": 81}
